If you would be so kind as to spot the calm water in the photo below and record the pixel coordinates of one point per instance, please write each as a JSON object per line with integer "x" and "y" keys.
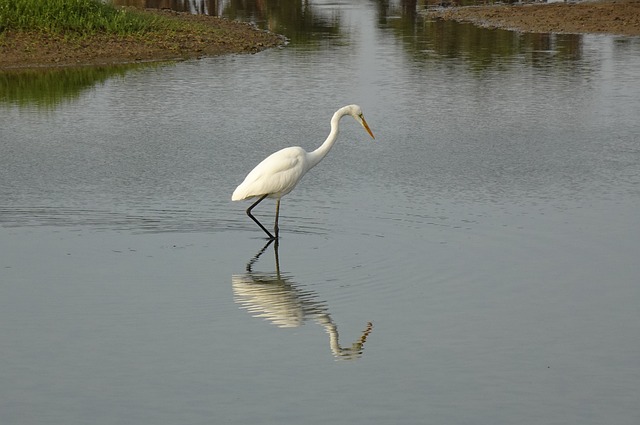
{"x": 476, "y": 264}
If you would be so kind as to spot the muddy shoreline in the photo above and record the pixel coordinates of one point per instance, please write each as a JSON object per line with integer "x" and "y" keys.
{"x": 616, "y": 17}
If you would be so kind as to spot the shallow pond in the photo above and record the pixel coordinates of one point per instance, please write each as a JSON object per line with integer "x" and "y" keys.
{"x": 476, "y": 263}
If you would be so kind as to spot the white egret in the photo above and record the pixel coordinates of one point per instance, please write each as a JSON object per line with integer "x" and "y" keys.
{"x": 281, "y": 171}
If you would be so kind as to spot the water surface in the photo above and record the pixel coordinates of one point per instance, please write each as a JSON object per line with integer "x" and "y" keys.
{"x": 476, "y": 263}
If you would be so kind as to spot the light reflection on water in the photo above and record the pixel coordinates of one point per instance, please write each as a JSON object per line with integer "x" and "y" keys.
{"x": 490, "y": 232}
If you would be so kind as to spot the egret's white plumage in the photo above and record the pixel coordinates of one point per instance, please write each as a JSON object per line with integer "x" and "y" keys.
{"x": 280, "y": 172}
{"x": 276, "y": 175}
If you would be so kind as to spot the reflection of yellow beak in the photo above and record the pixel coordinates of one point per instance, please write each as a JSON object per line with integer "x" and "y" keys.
{"x": 366, "y": 127}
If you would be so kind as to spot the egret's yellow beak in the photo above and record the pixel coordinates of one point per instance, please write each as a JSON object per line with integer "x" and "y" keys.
{"x": 366, "y": 127}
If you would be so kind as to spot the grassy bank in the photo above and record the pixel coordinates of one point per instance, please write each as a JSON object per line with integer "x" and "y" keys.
{"x": 36, "y": 33}
{"x": 81, "y": 17}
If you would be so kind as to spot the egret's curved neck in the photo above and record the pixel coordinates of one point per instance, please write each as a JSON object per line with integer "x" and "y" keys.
{"x": 317, "y": 155}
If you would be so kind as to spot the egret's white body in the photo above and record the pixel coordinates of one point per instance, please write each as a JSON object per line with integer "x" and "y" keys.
{"x": 276, "y": 175}
{"x": 280, "y": 172}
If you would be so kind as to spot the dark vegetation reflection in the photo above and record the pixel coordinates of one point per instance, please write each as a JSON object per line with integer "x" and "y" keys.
{"x": 46, "y": 88}
{"x": 424, "y": 37}
{"x": 276, "y": 298}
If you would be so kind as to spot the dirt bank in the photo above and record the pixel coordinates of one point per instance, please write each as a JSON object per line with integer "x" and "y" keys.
{"x": 208, "y": 36}
{"x": 620, "y": 17}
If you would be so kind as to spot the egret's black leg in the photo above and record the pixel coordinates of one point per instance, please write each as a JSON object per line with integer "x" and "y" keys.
{"x": 277, "y": 214}
{"x": 256, "y": 220}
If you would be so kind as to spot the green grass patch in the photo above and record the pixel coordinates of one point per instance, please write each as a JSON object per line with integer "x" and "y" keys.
{"x": 75, "y": 16}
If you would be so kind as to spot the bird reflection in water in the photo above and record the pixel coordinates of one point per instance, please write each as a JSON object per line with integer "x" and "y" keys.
{"x": 275, "y": 298}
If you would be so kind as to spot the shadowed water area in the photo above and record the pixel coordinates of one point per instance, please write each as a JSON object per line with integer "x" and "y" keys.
{"x": 476, "y": 263}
